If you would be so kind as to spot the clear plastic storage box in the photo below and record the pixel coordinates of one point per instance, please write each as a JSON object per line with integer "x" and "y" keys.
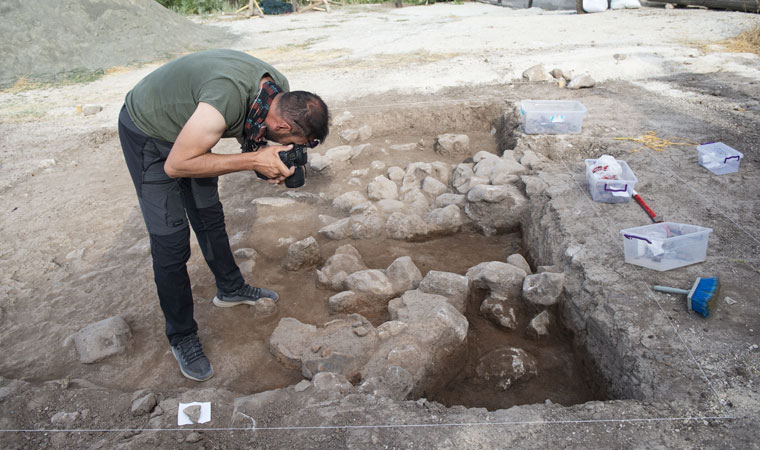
{"x": 552, "y": 116}
{"x": 610, "y": 191}
{"x": 666, "y": 245}
{"x": 719, "y": 158}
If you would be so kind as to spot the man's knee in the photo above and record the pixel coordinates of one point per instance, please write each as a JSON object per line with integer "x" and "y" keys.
{"x": 171, "y": 251}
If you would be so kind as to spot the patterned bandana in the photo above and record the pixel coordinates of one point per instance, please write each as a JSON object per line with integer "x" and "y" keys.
{"x": 254, "y": 133}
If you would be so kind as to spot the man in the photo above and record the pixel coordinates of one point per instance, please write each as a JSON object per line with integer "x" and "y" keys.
{"x": 169, "y": 123}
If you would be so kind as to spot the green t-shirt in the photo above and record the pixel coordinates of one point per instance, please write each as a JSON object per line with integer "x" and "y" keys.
{"x": 228, "y": 80}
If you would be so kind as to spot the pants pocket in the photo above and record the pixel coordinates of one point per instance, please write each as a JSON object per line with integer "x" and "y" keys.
{"x": 162, "y": 207}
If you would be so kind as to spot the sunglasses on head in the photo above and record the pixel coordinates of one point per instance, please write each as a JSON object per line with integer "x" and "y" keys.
{"x": 311, "y": 143}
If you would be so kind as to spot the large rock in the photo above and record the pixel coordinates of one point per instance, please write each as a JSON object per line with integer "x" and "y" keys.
{"x": 337, "y": 230}
{"x": 338, "y": 154}
{"x": 388, "y": 206}
{"x": 366, "y": 225}
{"x": 461, "y": 173}
{"x": 393, "y": 382}
{"x": 100, "y": 340}
{"x": 382, "y": 188}
{"x": 581, "y": 81}
{"x": 266, "y": 208}
{"x": 504, "y": 366}
{"x": 403, "y": 275}
{"x": 449, "y": 198}
{"x": 495, "y": 209}
{"x": 446, "y": 220}
{"x": 539, "y": 325}
{"x": 537, "y": 73}
{"x": 455, "y": 287}
{"x": 503, "y": 281}
{"x": 345, "y": 202}
{"x": 406, "y": 227}
{"x": 344, "y": 302}
{"x": 433, "y": 187}
{"x": 290, "y": 339}
{"x": 369, "y": 283}
{"x": 303, "y": 253}
{"x": 543, "y": 288}
{"x": 452, "y": 144}
{"x": 343, "y": 263}
{"x": 519, "y": 260}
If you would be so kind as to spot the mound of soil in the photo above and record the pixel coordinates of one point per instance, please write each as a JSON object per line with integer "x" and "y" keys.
{"x": 53, "y": 40}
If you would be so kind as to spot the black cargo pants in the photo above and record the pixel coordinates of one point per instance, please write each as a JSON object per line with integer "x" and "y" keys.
{"x": 167, "y": 204}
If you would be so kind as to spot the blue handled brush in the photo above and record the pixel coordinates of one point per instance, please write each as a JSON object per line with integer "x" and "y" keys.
{"x": 702, "y": 297}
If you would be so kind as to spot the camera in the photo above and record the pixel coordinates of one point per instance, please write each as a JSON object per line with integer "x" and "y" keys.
{"x": 294, "y": 157}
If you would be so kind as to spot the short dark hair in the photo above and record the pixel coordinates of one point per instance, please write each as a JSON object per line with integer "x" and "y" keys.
{"x": 310, "y": 112}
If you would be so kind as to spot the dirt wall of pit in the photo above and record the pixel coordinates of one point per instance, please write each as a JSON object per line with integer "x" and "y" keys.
{"x": 53, "y": 40}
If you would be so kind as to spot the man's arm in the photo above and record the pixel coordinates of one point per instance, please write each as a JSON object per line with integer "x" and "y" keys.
{"x": 191, "y": 156}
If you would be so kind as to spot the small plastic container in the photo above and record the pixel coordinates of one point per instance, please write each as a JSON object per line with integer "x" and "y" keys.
{"x": 719, "y": 158}
{"x": 552, "y": 116}
{"x": 666, "y": 245}
{"x": 611, "y": 191}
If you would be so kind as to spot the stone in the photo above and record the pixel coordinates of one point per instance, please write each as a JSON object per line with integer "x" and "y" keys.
{"x": 537, "y": 73}
{"x": 264, "y": 307}
{"x": 541, "y": 269}
{"x": 455, "y": 287}
{"x": 342, "y": 351}
{"x": 302, "y": 385}
{"x": 539, "y": 325}
{"x": 290, "y": 339}
{"x": 405, "y": 227}
{"x": 331, "y": 382}
{"x": 337, "y": 230}
{"x": 452, "y": 144}
{"x": 344, "y": 262}
{"x": 382, "y": 188}
{"x": 557, "y": 73}
{"x": 348, "y": 136}
{"x": 100, "y": 340}
{"x": 371, "y": 283}
{"x": 441, "y": 171}
{"x": 443, "y": 221}
{"x": 365, "y": 132}
{"x": 346, "y": 201}
{"x": 404, "y": 147}
{"x": 366, "y": 225}
{"x": 303, "y": 253}
{"x": 342, "y": 118}
{"x": 583, "y": 80}
{"x": 461, "y": 173}
{"x": 418, "y": 306}
{"x": 342, "y": 302}
{"x": 341, "y": 153}
{"x": 531, "y": 160}
{"x": 403, "y": 275}
{"x": 504, "y": 366}
{"x": 499, "y": 312}
{"x": 543, "y": 288}
{"x": 325, "y": 220}
{"x": 318, "y": 162}
{"x": 503, "y": 281}
{"x": 519, "y": 260}
{"x": 432, "y": 187}
{"x": 495, "y": 209}
{"x": 415, "y": 200}
{"x": 449, "y": 198}
{"x": 144, "y": 404}
{"x": 90, "y": 109}
{"x": 193, "y": 412}
{"x": 264, "y": 207}
{"x": 387, "y": 206}
{"x": 470, "y": 183}
{"x": 395, "y": 173}
{"x": 64, "y": 418}
{"x": 357, "y": 150}
{"x": 394, "y": 382}
{"x": 193, "y": 437}
{"x": 247, "y": 253}
{"x": 377, "y": 165}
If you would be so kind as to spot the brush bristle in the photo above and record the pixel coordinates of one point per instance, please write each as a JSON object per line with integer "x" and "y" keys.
{"x": 705, "y": 296}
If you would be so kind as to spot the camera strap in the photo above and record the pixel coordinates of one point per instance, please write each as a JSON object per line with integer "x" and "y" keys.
{"x": 254, "y": 130}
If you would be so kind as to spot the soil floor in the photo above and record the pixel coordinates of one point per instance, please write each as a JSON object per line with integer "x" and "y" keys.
{"x": 74, "y": 249}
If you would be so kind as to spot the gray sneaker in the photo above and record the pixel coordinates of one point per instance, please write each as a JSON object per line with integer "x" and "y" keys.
{"x": 247, "y": 295}
{"x": 192, "y": 361}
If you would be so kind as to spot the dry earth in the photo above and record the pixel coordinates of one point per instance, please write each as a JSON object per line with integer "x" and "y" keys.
{"x": 74, "y": 250}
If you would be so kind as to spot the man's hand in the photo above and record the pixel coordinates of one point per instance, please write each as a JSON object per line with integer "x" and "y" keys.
{"x": 191, "y": 156}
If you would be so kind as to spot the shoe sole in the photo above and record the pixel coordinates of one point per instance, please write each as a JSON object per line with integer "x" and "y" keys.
{"x": 226, "y": 304}
{"x": 187, "y": 375}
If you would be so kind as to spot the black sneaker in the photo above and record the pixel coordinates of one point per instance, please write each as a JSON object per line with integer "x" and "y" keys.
{"x": 192, "y": 361}
{"x": 247, "y": 294}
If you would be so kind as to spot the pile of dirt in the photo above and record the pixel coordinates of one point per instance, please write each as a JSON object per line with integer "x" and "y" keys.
{"x": 49, "y": 41}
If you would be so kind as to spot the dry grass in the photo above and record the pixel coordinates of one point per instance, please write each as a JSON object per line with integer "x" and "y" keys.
{"x": 747, "y": 41}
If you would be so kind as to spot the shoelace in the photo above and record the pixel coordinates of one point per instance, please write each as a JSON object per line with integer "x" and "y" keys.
{"x": 190, "y": 348}
{"x": 249, "y": 291}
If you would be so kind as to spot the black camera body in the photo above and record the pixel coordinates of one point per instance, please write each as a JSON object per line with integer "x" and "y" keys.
{"x": 294, "y": 157}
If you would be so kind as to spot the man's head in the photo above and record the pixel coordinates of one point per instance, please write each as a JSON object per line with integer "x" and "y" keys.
{"x": 299, "y": 117}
